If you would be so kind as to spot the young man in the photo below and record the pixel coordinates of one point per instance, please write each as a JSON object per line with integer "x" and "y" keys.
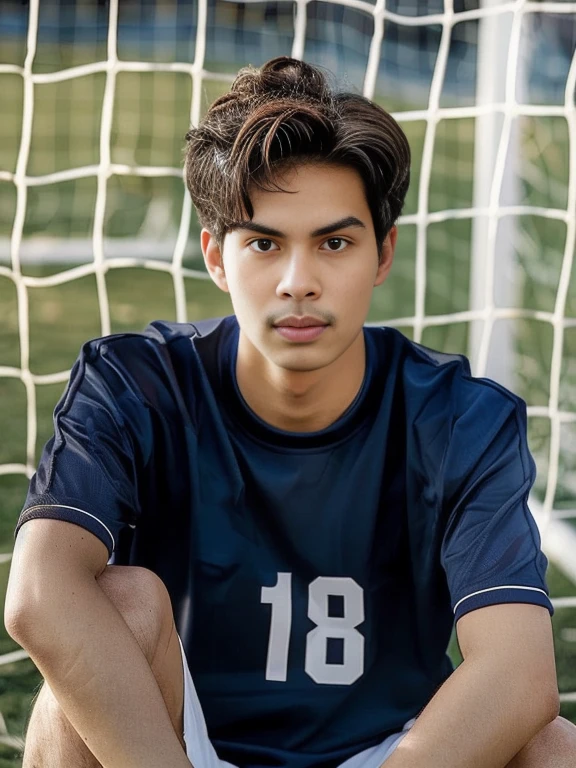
{"x": 308, "y": 502}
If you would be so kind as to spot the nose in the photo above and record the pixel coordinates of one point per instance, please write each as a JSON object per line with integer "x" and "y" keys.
{"x": 299, "y": 279}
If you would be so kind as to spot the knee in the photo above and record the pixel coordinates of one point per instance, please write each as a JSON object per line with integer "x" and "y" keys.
{"x": 142, "y": 600}
{"x": 555, "y": 745}
{"x": 558, "y": 737}
{"x": 562, "y": 738}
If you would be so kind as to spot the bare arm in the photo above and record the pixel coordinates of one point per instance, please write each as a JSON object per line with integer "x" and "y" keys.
{"x": 502, "y": 694}
{"x": 85, "y": 650}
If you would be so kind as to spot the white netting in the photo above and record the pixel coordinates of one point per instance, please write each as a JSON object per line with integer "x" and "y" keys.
{"x": 557, "y": 469}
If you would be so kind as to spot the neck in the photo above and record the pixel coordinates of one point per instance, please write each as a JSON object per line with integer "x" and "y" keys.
{"x": 300, "y": 401}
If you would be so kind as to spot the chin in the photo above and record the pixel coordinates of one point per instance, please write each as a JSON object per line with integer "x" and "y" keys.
{"x": 301, "y": 368}
{"x": 302, "y": 361}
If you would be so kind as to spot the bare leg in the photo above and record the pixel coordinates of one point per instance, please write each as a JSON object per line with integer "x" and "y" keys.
{"x": 143, "y": 602}
{"x": 553, "y": 747}
{"x": 51, "y": 742}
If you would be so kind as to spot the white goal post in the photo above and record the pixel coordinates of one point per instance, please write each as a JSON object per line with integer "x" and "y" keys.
{"x": 497, "y": 112}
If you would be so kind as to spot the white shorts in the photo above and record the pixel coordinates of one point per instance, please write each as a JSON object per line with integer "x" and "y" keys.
{"x": 202, "y": 754}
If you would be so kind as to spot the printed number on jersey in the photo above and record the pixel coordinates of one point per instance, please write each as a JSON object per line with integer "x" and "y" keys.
{"x": 327, "y": 627}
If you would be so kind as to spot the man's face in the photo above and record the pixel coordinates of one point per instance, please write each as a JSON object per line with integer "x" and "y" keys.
{"x": 307, "y": 257}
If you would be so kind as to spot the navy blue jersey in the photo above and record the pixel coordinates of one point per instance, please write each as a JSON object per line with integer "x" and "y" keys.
{"x": 315, "y": 577}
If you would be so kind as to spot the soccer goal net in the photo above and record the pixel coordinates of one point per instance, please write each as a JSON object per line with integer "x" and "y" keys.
{"x": 97, "y": 234}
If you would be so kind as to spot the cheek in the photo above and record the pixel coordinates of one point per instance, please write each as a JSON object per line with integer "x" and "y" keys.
{"x": 356, "y": 285}
{"x": 247, "y": 289}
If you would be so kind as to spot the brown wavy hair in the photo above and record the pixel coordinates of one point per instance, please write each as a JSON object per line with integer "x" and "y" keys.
{"x": 279, "y": 116}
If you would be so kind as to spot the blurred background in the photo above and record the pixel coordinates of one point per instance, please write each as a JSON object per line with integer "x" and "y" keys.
{"x": 97, "y": 234}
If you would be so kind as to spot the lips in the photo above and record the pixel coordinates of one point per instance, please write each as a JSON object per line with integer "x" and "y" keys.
{"x": 300, "y": 329}
{"x": 300, "y": 322}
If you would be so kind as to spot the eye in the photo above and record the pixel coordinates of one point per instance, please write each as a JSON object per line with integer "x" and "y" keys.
{"x": 336, "y": 244}
{"x": 264, "y": 245}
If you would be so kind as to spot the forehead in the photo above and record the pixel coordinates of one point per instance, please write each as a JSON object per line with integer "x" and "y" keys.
{"x": 313, "y": 195}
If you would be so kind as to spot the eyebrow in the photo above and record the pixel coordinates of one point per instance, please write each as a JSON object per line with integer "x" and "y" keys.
{"x": 348, "y": 221}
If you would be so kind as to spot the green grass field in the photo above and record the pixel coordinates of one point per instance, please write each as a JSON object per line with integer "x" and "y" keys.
{"x": 151, "y": 114}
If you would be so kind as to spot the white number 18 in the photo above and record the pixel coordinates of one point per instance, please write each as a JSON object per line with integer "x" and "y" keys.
{"x": 340, "y": 627}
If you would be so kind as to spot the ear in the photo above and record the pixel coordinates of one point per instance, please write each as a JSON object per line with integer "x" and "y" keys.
{"x": 385, "y": 264}
{"x": 213, "y": 259}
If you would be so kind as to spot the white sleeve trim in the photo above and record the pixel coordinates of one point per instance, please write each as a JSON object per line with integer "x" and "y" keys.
{"x": 492, "y": 589}
{"x": 67, "y": 506}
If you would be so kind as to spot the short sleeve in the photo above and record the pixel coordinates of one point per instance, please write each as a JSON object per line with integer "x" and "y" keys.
{"x": 491, "y": 547}
{"x": 89, "y": 470}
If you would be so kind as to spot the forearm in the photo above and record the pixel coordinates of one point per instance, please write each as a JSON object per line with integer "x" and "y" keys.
{"x": 101, "y": 678}
{"x": 480, "y": 718}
